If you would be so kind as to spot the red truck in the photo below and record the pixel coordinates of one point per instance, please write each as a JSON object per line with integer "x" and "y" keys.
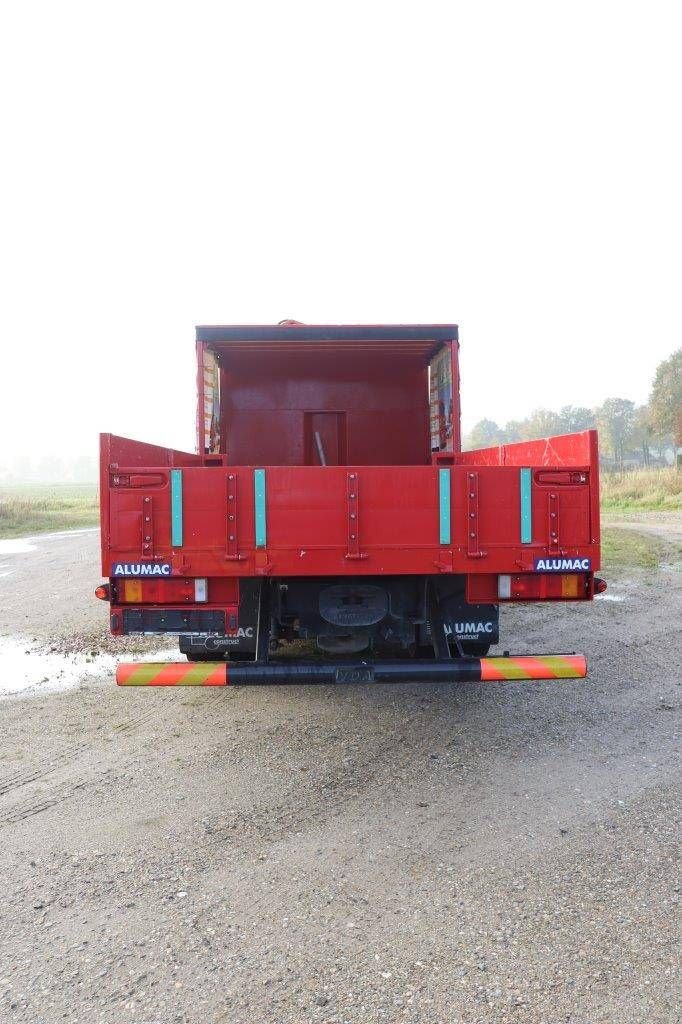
{"x": 330, "y": 501}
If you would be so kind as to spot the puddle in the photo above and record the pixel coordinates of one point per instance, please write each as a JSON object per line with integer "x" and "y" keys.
{"x": 30, "y": 670}
{"x": 24, "y": 545}
{"x": 16, "y": 546}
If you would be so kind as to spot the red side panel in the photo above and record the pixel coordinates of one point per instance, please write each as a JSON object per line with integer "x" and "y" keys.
{"x": 336, "y": 520}
{"x": 562, "y": 450}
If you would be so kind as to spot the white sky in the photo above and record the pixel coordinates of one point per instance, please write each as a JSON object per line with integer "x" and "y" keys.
{"x": 513, "y": 167}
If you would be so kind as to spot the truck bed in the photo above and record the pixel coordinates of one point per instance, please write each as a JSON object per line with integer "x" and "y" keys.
{"x": 496, "y": 510}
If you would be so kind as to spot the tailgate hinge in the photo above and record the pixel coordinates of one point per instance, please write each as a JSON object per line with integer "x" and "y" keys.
{"x": 473, "y": 546}
{"x": 352, "y": 506}
{"x": 147, "y": 527}
{"x": 231, "y": 522}
{"x": 553, "y": 522}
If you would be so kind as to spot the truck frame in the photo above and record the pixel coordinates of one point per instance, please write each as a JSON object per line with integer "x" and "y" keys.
{"x": 329, "y": 501}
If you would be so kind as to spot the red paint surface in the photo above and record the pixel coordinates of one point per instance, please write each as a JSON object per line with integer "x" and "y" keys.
{"x": 307, "y": 522}
{"x": 369, "y": 402}
{"x": 355, "y": 400}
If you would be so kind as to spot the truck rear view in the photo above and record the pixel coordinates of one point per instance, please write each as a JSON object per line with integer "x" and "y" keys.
{"x": 329, "y": 501}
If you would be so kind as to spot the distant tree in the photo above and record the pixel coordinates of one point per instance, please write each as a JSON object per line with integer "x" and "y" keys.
{"x": 483, "y": 435}
{"x": 512, "y": 431}
{"x": 541, "y": 423}
{"x": 641, "y": 434}
{"x": 665, "y": 401}
{"x": 575, "y": 418}
{"x": 615, "y": 420}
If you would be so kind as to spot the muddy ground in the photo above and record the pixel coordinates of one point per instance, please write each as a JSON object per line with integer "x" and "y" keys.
{"x": 478, "y": 853}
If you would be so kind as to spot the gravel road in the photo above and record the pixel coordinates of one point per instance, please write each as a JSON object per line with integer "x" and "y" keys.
{"x": 425, "y": 854}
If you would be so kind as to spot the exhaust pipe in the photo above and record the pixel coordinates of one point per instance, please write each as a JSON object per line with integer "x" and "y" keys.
{"x": 452, "y": 670}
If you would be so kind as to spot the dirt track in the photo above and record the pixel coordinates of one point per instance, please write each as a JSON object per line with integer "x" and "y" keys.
{"x": 412, "y": 853}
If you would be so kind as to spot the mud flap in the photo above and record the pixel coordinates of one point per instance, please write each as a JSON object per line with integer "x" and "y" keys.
{"x": 239, "y": 643}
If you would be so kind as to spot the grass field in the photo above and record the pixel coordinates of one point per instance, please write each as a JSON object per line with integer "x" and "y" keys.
{"x": 641, "y": 489}
{"x": 40, "y": 508}
{"x": 628, "y": 549}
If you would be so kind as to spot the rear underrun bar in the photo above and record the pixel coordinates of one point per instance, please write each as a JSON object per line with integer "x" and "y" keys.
{"x": 454, "y": 670}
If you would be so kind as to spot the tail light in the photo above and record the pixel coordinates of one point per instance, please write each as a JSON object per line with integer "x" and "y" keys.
{"x": 132, "y": 591}
{"x": 569, "y": 586}
{"x": 599, "y": 585}
{"x": 102, "y": 592}
{"x": 176, "y": 590}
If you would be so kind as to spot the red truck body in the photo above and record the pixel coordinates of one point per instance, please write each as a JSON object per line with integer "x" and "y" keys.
{"x": 332, "y": 455}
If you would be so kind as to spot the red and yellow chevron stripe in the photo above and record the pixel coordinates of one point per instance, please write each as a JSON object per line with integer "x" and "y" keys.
{"x": 549, "y": 666}
{"x": 205, "y": 673}
{"x": 552, "y": 666}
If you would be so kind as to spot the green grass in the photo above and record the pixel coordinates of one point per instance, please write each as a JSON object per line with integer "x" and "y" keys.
{"x": 41, "y": 508}
{"x": 627, "y": 549}
{"x": 641, "y": 490}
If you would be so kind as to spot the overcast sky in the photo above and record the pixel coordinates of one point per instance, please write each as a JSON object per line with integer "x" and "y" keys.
{"x": 512, "y": 167}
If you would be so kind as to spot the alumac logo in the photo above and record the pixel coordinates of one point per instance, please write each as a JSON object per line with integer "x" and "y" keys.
{"x": 466, "y": 628}
{"x": 471, "y": 630}
{"x": 141, "y": 569}
{"x": 563, "y": 564}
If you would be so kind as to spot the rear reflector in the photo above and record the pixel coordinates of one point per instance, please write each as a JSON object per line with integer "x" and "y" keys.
{"x": 504, "y": 587}
{"x": 200, "y": 589}
{"x": 172, "y": 674}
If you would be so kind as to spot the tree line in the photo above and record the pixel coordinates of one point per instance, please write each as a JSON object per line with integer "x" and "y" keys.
{"x": 628, "y": 434}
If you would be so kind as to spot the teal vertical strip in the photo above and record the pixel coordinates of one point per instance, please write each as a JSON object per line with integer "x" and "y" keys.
{"x": 444, "y": 504}
{"x": 526, "y": 507}
{"x": 259, "y": 506}
{"x": 176, "y": 507}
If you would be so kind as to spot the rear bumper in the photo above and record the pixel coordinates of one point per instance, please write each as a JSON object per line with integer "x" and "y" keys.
{"x": 454, "y": 670}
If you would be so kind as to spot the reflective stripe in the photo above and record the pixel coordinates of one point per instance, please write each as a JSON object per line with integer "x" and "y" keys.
{"x": 526, "y": 506}
{"x": 176, "y": 507}
{"x": 203, "y": 673}
{"x": 444, "y": 504}
{"x": 259, "y": 507}
{"x": 552, "y": 666}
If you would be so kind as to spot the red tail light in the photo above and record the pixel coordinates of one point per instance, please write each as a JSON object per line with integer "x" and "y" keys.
{"x": 102, "y": 592}
{"x": 529, "y": 586}
{"x": 176, "y": 590}
{"x": 599, "y": 585}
